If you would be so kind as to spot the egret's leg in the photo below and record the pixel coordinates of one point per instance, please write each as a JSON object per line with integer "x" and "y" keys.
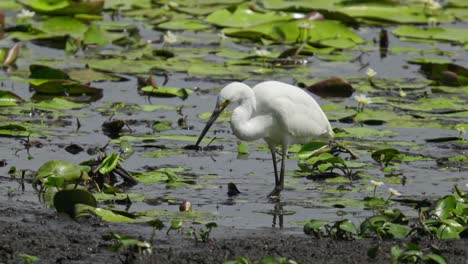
{"x": 283, "y": 167}
{"x": 279, "y": 183}
{"x": 275, "y": 193}
{"x": 275, "y": 167}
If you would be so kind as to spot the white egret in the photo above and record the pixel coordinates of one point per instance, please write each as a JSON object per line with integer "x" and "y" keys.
{"x": 280, "y": 113}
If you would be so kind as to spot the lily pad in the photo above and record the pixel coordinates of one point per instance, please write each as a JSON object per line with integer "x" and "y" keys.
{"x": 58, "y": 168}
{"x": 162, "y": 125}
{"x": 164, "y": 91}
{"x": 90, "y": 75}
{"x": 391, "y": 13}
{"x": 435, "y": 105}
{"x": 244, "y": 17}
{"x": 365, "y": 132}
{"x": 8, "y": 98}
{"x": 455, "y": 35}
{"x": 59, "y": 104}
{"x": 321, "y": 32}
{"x": 65, "y": 7}
{"x": 13, "y": 130}
{"x": 65, "y": 200}
{"x": 183, "y": 24}
{"x": 61, "y": 26}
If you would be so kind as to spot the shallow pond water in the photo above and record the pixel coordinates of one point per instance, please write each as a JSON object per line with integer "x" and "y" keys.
{"x": 303, "y": 198}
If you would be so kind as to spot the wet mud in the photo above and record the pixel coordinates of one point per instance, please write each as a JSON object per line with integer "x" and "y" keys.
{"x": 56, "y": 238}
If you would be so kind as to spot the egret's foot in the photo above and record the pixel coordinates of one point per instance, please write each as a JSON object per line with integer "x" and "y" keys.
{"x": 276, "y": 192}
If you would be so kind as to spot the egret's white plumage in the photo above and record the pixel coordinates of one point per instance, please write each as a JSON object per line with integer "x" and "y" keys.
{"x": 280, "y": 113}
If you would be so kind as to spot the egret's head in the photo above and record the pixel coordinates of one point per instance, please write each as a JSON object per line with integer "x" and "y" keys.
{"x": 232, "y": 92}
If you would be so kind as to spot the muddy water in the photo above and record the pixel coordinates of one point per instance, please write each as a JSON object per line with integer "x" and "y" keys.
{"x": 302, "y": 199}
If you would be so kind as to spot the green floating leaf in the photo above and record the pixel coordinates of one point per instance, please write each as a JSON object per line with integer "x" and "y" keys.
{"x": 134, "y": 197}
{"x": 375, "y": 202}
{"x": 371, "y": 224}
{"x": 65, "y": 200}
{"x": 394, "y": 13}
{"x": 161, "y": 137}
{"x": 444, "y": 71}
{"x": 8, "y": 98}
{"x": 59, "y": 168}
{"x": 375, "y": 116}
{"x": 65, "y": 7}
{"x": 46, "y": 6}
{"x": 175, "y": 225}
{"x": 157, "y": 224}
{"x": 157, "y": 176}
{"x": 45, "y": 72}
{"x": 62, "y": 26}
{"x": 65, "y": 87}
{"x": 95, "y": 35}
{"x": 121, "y": 65}
{"x": 13, "y": 130}
{"x": 183, "y": 24}
{"x": 310, "y": 149}
{"x": 303, "y": 5}
{"x": 314, "y": 226}
{"x": 384, "y": 156}
{"x": 436, "y": 105}
{"x": 162, "y": 125}
{"x": 90, "y": 75}
{"x": 324, "y": 32}
{"x": 59, "y": 104}
{"x": 167, "y": 91}
{"x": 112, "y": 216}
{"x": 162, "y": 153}
{"x": 342, "y": 202}
{"x": 218, "y": 71}
{"x": 48, "y": 80}
{"x": 365, "y": 132}
{"x": 456, "y": 35}
{"x": 223, "y": 117}
{"x": 244, "y": 17}
{"x": 243, "y": 148}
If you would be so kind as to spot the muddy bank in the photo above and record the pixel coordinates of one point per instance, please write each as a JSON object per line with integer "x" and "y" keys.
{"x": 31, "y": 229}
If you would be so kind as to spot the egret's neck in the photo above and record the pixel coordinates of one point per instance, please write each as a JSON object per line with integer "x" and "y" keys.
{"x": 241, "y": 120}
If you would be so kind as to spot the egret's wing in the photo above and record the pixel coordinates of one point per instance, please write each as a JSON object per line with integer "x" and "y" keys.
{"x": 301, "y": 117}
{"x": 293, "y": 109}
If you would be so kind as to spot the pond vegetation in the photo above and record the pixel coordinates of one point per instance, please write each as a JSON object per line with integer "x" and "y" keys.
{"x": 100, "y": 99}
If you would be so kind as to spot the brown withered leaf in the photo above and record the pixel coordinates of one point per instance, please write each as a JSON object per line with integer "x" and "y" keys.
{"x": 332, "y": 87}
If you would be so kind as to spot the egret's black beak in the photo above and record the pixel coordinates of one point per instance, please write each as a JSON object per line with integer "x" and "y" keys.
{"x": 218, "y": 110}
